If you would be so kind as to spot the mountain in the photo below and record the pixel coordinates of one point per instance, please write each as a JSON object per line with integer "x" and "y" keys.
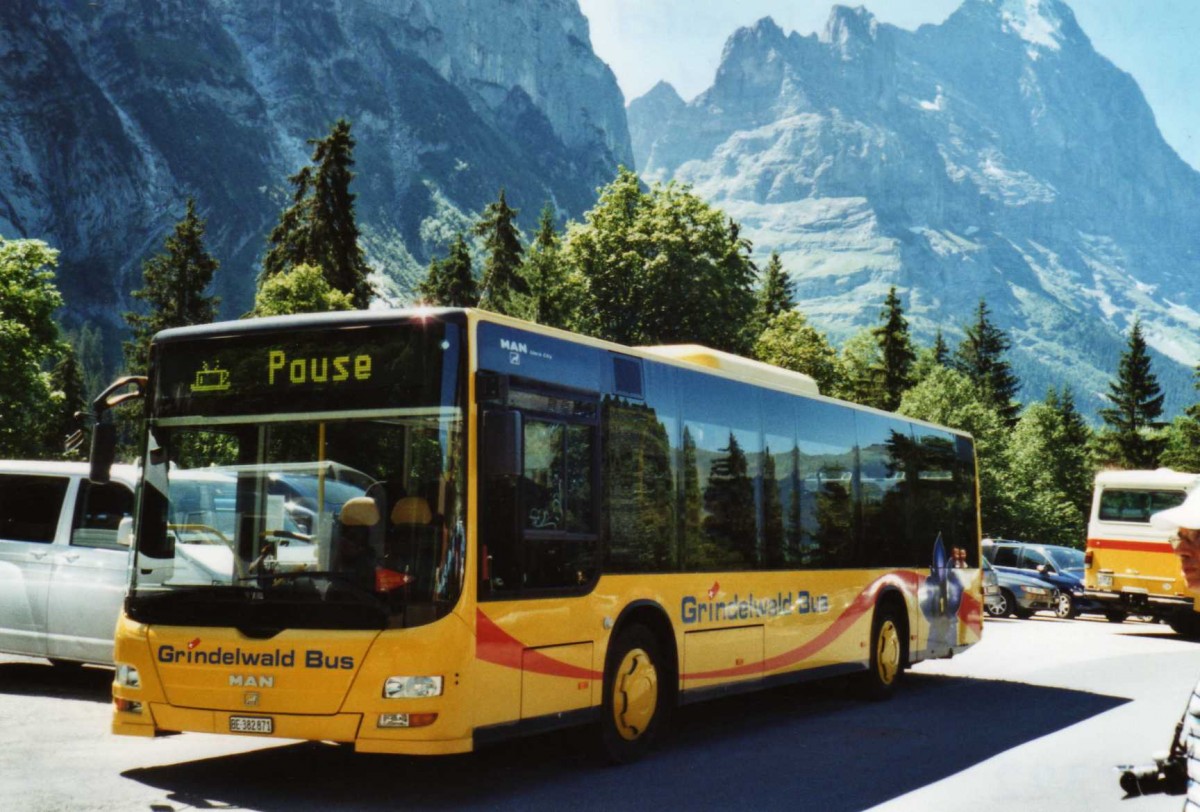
{"x": 995, "y": 155}
{"x": 112, "y": 113}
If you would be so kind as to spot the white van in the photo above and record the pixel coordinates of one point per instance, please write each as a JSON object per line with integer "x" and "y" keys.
{"x": 64, "y": 559}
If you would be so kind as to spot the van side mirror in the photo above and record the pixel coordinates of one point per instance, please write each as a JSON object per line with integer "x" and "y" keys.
{"x": 502, "y": 449}
{"x": 103, "y": 453}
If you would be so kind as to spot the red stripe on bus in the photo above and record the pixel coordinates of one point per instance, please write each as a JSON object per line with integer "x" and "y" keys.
{"x": 857, "y": 608}
{"x": 494, "y": 645}
{"x": 1130, "y": 546}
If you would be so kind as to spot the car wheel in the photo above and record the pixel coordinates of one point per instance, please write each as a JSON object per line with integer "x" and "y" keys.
{"x": 1116, "y": 615}
{"x": 635, "y": 704}
{"x": 1000, "y": 607}
{"x": 1064, "y": 606}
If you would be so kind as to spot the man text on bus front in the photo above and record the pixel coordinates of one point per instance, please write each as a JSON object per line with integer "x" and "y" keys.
{"x": 1184, "y": 522}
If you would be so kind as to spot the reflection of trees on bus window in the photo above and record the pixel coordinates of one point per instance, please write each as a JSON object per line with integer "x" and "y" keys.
{"x": 639, "y": 488}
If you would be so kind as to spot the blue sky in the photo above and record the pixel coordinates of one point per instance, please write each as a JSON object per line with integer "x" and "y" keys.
{"x": 681, "y": 40}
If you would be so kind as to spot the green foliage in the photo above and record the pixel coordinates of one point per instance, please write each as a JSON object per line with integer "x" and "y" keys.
{"x": 554, "y": 294}
{"x": 1133, "y": 439}
{"x": 1182, "y": 450}
{"x": 860, "y": 363}
{"x": 1050, "y": 473}
{"x": 980, "y": 357}
{"x": 775, "y": 294}
{"x": 789, "y": 341}
{"x": 896, "y": 357}
{"x": 450, "y": 282}
{"x": 502, "y": 280}
{"x": 173, "y": 288}
{"x": 29, "y": 340}
{"x": 661, "y": 267}
{"x": 320, "y": 228}
{"x": 302, "y": 289}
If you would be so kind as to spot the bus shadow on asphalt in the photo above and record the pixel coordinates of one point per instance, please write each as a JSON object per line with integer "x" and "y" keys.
{"x": 806, "y": 746}
{"x": 68, "y": 681}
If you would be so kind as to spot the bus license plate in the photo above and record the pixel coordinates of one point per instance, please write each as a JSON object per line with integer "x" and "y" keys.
{"x": 251, "y": 724}
{"x": 1104, "y": 579}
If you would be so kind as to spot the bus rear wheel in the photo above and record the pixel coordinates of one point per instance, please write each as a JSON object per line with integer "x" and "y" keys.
{"x": 888, "y": 634}
{"x": 635, "y": 706}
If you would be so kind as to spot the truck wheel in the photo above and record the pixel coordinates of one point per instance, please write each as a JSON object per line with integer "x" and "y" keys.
{"x": 1116, "y": 615}
{"x": 635, "y": 706}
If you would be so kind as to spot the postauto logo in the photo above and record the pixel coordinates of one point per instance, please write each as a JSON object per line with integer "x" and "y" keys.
{"x": 192, "y": 654}
{"x": 712, "y": 606}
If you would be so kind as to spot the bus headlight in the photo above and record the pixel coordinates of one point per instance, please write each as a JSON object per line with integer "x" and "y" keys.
{"x": 128, "y": 677}
{"x": 412, "y": 687}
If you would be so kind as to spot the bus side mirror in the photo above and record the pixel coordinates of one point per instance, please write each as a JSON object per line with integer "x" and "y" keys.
{"x": 103, "y": 453}
{"x": 502, "y": 447}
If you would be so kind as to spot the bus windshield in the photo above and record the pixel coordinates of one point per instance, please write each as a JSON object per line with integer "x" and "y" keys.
{"x": 339, "y": 520}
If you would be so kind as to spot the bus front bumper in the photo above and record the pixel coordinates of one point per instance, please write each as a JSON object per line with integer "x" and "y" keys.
{"x": 1139, "y": 602}
{"x": 349, "y": 728}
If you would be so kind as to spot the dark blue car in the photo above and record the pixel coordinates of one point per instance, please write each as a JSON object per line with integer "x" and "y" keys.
{"x": 1061, "y": 567}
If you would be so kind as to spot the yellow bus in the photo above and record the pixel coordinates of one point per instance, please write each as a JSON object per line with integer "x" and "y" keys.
{"x": 1129, "y": 566}
{"x": 436, "y": 528}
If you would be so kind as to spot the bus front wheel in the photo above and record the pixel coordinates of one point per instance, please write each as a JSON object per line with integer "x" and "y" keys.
{"x": 635, "y": 694}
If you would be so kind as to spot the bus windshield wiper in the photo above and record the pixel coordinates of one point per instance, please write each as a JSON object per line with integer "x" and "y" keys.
{"x": 266, "y": 581}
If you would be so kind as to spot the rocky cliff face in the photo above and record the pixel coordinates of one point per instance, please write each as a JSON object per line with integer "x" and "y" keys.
{"x": 112, "y": 113}
{"x": 994, "y": 155}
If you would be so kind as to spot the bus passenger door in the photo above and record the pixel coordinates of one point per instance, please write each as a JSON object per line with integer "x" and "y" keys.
{"x": 540, "y": 540}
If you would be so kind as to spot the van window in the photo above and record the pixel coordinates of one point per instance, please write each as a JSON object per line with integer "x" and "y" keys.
{"x": 30, "y": 506}
{"x": 1136, "y": 506}
{"x": 98, "y": 514}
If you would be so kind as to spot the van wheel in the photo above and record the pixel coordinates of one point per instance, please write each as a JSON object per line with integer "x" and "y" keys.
{"x": 635, "y": 706}
{"x": 888, "y": 650}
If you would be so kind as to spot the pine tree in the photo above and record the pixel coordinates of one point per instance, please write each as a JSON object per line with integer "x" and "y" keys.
{"x": 980, "y": 357}
{"x": 776, "y": 294}
{"x": 552, "y": 299}
{"x": 320, "y": 228}
{"x": 1075, "y": 471}
{"x": 66, "y": 379}
{"x": 1137, "y": 404}
{"x": 941, "y": 353}
{"x": 174, "y": 284}
{"x": 896, "y": 355}
{"x": 502, "y": 266}
{"x": 450, "y": 282}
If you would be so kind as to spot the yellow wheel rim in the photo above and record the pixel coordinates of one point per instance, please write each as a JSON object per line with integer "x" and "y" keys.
{"x": 887, "y": 652}
{"x": 635, "y": 694}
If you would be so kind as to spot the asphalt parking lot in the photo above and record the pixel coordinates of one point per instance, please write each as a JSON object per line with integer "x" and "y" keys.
{"x": 1035, "y": 717}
